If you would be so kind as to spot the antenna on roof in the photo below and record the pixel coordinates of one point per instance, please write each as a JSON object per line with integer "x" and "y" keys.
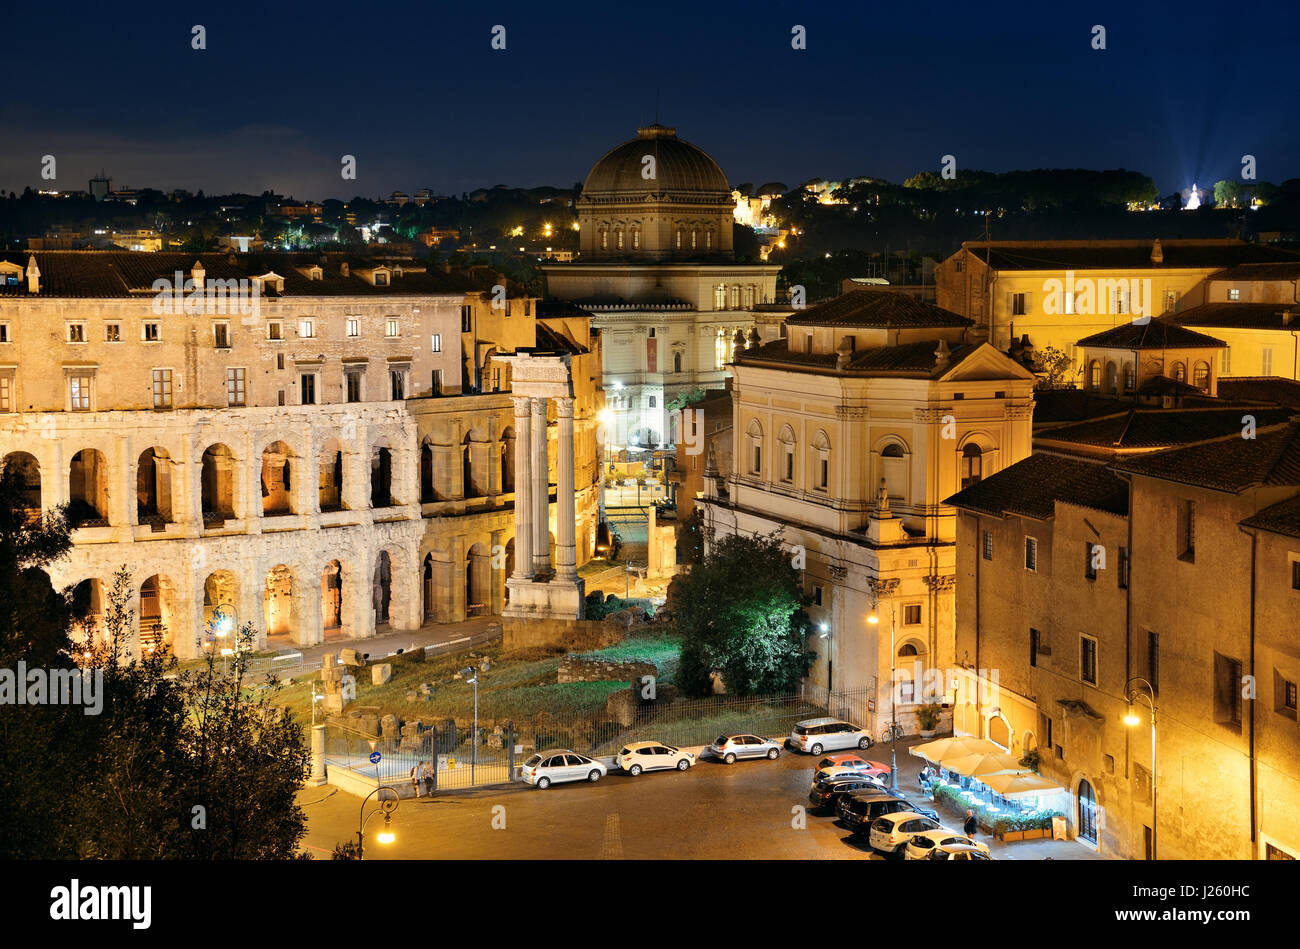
{"x": 656, "y": 105}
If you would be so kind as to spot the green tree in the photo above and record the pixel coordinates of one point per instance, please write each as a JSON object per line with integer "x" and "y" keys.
{"x": 1055, "y": 367}
{"x": 740, "y": 615}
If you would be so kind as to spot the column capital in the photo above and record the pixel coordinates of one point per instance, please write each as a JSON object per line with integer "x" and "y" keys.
{"x": 564, "y": 407}
{"x": 521, "y": 403}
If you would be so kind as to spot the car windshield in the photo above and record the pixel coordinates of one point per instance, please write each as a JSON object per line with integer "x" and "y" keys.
{"x": 532, "y": 760}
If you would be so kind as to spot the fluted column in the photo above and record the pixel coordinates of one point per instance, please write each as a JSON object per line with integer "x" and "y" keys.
{"x": 523, "y": 491}
{"x": 541, "y": 493}
{"x": 566, "y": 557}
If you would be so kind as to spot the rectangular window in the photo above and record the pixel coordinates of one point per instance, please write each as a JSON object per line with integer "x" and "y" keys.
{"x": 352, "y": 381}
{"x": 274, "y": 329}
{"x": 1033, "y": 647}
{"x": 221, "y": 335}
{"x": 6, "y": 392}
{"x": 381, "y": 279}
{"x": 306, "y": 328}
{"x": 81, "y": 386}
{"x": 280, "y": 397}
{"x": 151, "y": 331}
{"x": 758, "y": 459}
{"x": 1123, "y": 568}
{"x": 162, "y": 388}
{"x": 988, "y": 545}
{"x": 308, "y": 383}
{"x": 912, "y": 614}
{"x": 1266, "y": 364}
{"x": 1153, "y": 660}
{"x": 112, "y": 332}
{"x": 1295, "y": 574}
{"x": 1088, "y": 659}
{"x": 1090, "y": 559}
{"x": 789, "y": 466}
{"x": 1187, "y": 531}
{"x": 435, "y": 382}
{"x": 397, "y": 382}
{"x": 76, "y": 332}
{"x": 817, "y": 596}
{"x": 1227, "y": 691}
{"x": 1234, "y": 294}
{"x": 235, "y": 379}
{"x": 392, "y": 328}
{"x": 1031, "y": 554}
{"x": 354, "y": 327}
{"x": 1289, "y": 698}
{"x": 1225, "y": 368}
{"x": 466, "y": 319}
{"x": 496, "y": 380}
{"x": 1017, "y": 304}
{"x": 826, "y": 473}
{"x": 4, "y": 333}
{"x": 436, "y": 343}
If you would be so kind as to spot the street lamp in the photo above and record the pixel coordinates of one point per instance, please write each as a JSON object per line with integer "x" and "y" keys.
{"x": 886, "y": 589}
{"x": 1142, "y": 689}
{"x": 387, "y": 806}
{"x": 472, "y": 679}
{"x": 606, "y": 419}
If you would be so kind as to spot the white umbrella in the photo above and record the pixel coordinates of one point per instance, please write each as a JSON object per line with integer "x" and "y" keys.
{"x": 1012, "y": 785}
{"x": 935, "y": 751}
{"x": 973, "y": 766}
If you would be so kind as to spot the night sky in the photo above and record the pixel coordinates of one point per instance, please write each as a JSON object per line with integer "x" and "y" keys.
{"x": 416, "y": 93}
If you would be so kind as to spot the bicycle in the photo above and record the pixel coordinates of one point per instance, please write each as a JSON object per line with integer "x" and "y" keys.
{"x": 892, "y": 731}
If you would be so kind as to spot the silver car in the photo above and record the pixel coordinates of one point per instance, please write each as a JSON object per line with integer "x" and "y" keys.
{"x": 828, "y": 734}
{"x": 560, "y": 765}
{"x": 730, "y": 747}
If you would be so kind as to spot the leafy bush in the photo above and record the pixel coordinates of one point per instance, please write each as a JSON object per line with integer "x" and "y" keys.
{"x": 928, "y": 716}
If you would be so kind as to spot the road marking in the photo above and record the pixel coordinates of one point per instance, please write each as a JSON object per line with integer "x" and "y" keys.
{"x": 612, "y": 846}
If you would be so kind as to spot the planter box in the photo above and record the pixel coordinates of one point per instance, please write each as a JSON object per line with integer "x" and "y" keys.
{"x": 1023, "y": 834}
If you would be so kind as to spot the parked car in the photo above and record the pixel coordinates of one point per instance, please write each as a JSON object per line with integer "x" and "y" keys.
{"x": 850, "y": 761}
{"x": 958, "y": 852}
{"x": 826, "y": 792}
{"x": 816, "y": 735}
{"x": 857, "y": 810}
{"x": 891, "y": 832}
{"x": 641, "y": 756}
{"x": 920, "y": 846}
{"x": 731, "y": 747}
{"x": 559, "y": 765}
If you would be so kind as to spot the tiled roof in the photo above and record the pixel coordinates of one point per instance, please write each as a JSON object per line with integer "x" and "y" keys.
{"x": 1163, "y": 385}
{"x": 908, "y": 359}
{"x": 1230, "y": 464}
{"x": 553, "y": 341}
{"x": 1052, "y": 406}
{"x": 877, "y": 308}
{"x": 1125, "y": 255}
{"x": 1240, "y": 316}
{"x": 1140, "y": 428}
{"x": 556, "y": 309}
{"x": 1287, "y": 270}
{"x": 130, "y": 274}
{"x": 1151, "y": 334}
{"x": 1261, "y": 389}
{"x": 1032, "y": 487}
{"x": 1280, "y": 518}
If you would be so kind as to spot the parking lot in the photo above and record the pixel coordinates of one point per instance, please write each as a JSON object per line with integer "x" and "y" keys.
{"x": 712, "y": 811}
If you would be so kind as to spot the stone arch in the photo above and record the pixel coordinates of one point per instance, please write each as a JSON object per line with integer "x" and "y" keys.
{"x": 428, "y": 493}
{"x": 1178, "y": 372}
{"x": 1028, "y": 743}
{"x": 429, "y": 587}
{"x": 88, "y": 603}
{"x": 895, "y": 459}
{"x": 88, "y": 489}
{"x": 279, "y": 473}
{"x": 381, "y": 475}
{"x": 1094, "y": 375}
{"x": 26, "y": 470}
{"x": 382, "y": 588}
{"x": 217, "y": 484}
{"x": 221, "y": 591}
{"x": 279, "y": 600}
{"x": 998, "y": 730}
{"x": 508, "y": 448}
{"x": 332, "y": 596}
{"x": 158, "y": 617}
{"x": 1112, "y": 377}
{"x": 1087, "y": 809}
{"x": 331, "y": 484}
{"x": 474, "y": 463}
{"x": 1201, "y": 375}
{"x": 478, "y": 581}
{"x": 153, "y": 488}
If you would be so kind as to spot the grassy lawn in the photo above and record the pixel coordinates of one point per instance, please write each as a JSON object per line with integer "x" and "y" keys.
{"x": 663, "y": 648}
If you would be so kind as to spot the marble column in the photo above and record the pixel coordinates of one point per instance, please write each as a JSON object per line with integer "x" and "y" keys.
{"x": 566, "y": 560}
{"x": 523, "y": 491}
{"x": 541, "y": 493}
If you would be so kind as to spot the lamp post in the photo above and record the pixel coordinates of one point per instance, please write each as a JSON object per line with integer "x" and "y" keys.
{"x": 606, "y": 419}
{"x": 886, "y": 589}
{"x": 387, "y": 806}
{"x": 1139, "y": 688}
{"x": 472, "y": 679}
{"x": 824, "y": 632}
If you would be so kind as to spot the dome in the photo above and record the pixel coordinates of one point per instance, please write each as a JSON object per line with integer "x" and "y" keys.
{"x": 679, "y": 167}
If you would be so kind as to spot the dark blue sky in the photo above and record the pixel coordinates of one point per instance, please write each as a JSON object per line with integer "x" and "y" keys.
{"x": 415, "y": 92}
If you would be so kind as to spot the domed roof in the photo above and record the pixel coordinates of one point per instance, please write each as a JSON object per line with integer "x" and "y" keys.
{"x": 679, "y": 166}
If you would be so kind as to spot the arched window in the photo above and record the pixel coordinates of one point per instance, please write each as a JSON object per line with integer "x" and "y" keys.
{"x": 755, "y": 432}
{"x": 972, "y": 465}
{"x": 893, "y": 462}
{"x": 604, "y": 239}
{"x": 1130, "y": 377}
{"x": 1179, "y": 373}
{"x": 1087, "y": 812}
{"x": 679, "y": 238}
{"x": 906, "y": 651}
{"x": 720, "y": 297}
{"x": 677, "y": 362}
{"x": 1112, "y": 377}
{"x": 787, "y": 440}
{"x": 1094, "y": 375}
{"x": 618, "y": 238}
{"x": 1201, "y": 375}
{"x": 822, "y": 460}
{"x": 636, "y": 237}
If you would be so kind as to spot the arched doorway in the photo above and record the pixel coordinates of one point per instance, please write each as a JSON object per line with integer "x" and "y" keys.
{"x": 157, "y": 612}
{"x": 26, "y": 471}
{"x": 277, "y": 484}
{"x": 381, "y": 476}
{"x": 217, "y": 485}
{"x": 88, "y": 608}
{"x": 1000, "y": 732}
{"x": 331, "y": 476}
{"x": 153, "y": 488}
{"x": 477, "y": 576}
{"x": 1087, "y": 812}
{"x": 427, "y": 494}
{"x": 331, "y": 595}
{"x": 382, "y": 588}
{"x": 88, "y": 489}
{"x": 278, "y": 600}
{"x": 430, "y": 604}
{"x": 972, "y": 465}
{"x": 474, "y": 463}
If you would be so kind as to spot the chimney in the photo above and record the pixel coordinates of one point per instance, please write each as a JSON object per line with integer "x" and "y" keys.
{"x": 1287, "y": 316}
{"x": 843, "y": 353}
{"x": 196, "y": 274}
{"x": 33, "y": 275}
{"x": 941, "y": 354}
{"x": 1157, "y": 253}
{"x": 754, "y": 338}
{"x": 343, "y": 270}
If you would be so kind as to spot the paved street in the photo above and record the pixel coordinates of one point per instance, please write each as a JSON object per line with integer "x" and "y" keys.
{"x": 712, "y": 811}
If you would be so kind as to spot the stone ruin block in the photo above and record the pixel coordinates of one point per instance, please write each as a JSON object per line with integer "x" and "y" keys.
{"x": 381, "y": 673}
{"x": 350, "y": 657}
{"x": 390, "y": 727}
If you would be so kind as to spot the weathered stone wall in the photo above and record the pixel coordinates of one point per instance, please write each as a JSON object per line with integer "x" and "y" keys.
{"x": 575, "y": 635}
{"x": 582, "y": 669}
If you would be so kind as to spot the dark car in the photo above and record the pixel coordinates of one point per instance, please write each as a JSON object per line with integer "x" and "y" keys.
{"x": 827, "y": 791}
{"x": 857, "y": 809}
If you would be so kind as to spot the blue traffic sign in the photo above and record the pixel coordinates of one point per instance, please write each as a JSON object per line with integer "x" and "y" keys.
{"x": 374, "y": 757}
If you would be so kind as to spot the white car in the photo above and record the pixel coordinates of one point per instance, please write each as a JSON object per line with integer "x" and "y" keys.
{"x": 828, "y": 734}
{"x": 958, "y": 852}
{"x": 559, "y": 765}
{"x": 743, "y": 745}
{"x": 641, "y": 756}
{"x": 921, "y": 846}
{"x": 891, "y": 832}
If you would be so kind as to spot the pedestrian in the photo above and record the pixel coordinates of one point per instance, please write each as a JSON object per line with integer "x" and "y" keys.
{"x": 415, "y": 778}
{"x": 426, "y": 773}
{"x": 972, "y": 824}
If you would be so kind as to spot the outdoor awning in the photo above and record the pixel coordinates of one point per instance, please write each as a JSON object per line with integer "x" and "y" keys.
{"x": 979, "y": 765}
{"x": 936, "y": 751}
{"x": 1014, "y": 785}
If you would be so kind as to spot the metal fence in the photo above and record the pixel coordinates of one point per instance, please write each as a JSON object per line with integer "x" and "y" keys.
{"x": 458, "y": 761}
